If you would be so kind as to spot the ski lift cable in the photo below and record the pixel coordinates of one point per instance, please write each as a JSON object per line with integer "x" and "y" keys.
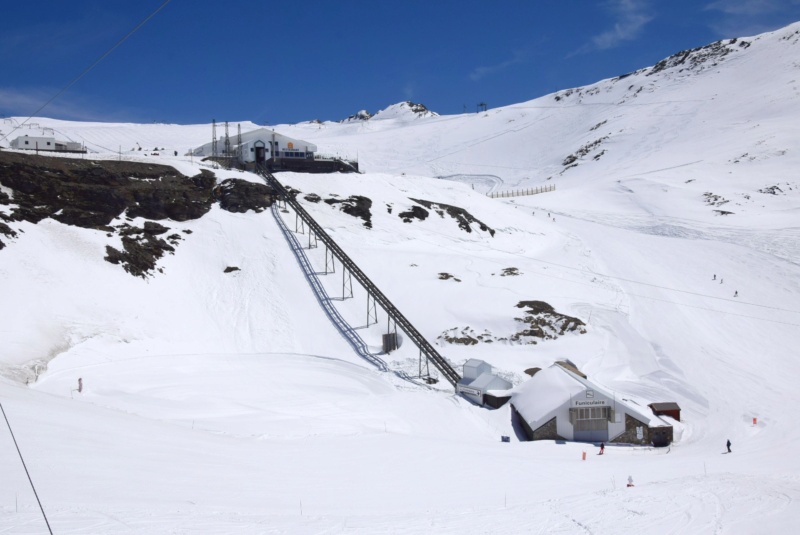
{"x": 89, "y": 68}
{"x": 26, "y": 469}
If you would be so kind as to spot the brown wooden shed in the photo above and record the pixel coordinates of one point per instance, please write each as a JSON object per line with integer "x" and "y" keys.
{"x": 668, "y": 408}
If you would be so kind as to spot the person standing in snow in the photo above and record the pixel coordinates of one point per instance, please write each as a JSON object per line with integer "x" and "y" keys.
{"x": 602, "y": 447}
{"x": 736, "y": 293}
{"x": 715, "y": 277}
{"x": 729, "y": 445}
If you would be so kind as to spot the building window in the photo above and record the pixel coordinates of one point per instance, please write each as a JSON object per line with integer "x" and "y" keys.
{"x": 26, "y": 142}
{"x": 590, "y": 418}
{"x": 48, "y": 143}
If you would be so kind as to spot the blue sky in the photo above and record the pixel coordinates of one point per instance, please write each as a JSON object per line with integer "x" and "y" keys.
{"x": 282, "y": 62}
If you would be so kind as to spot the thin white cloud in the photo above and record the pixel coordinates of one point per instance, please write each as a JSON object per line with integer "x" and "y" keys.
{"x": 22, "y": 102}
{"x": 742, "y": 18}
{"x": 481, "y": 72}
{"x": 409, "y": 90}
{"x": 632, "y": 16}
{"x": 749, "y": 7}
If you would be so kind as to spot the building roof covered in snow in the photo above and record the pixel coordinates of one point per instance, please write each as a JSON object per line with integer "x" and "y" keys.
{"x": 541, "y": 396}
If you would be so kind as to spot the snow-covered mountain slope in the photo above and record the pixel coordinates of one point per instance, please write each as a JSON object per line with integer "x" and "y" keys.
{"x": 227, "y": 402}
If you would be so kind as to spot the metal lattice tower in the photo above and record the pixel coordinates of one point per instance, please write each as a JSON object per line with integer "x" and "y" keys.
{"x": 239, "y": 143}
{"x": 227, "y": 145}
{"x": 214, "y": 142}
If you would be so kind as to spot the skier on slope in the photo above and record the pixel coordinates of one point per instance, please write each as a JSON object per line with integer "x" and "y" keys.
{"x": 602, "y": 447}
{"x": 729, "y": 445}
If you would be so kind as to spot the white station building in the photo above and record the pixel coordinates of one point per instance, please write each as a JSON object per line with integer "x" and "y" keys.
{"x": 560, "y": 403}
{"x": 481, "y": 386}
{"x": 260, "y": 146}
{"x": 45, "y": 144}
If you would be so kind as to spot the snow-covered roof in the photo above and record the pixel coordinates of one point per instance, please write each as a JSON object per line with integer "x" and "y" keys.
{"x": 549, "y": 388}
{"x": 486, "y": 381}
{"x": 553, "y": 386}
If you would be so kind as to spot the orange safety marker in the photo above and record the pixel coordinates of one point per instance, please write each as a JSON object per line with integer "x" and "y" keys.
{"x": 755, "y": 421}
{"x": 583, "y": 457}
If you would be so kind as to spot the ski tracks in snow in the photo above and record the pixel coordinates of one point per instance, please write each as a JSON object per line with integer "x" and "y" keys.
{"x": 781, "y": 243}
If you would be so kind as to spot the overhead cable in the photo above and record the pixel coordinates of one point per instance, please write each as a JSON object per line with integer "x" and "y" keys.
{"x": 89, "y": 68}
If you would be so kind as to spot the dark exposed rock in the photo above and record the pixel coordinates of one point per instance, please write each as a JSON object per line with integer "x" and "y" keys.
{"x": 361, "y": 115}
{"x": 139, "y": 255}
{"x": 697, "y": 58}
{"x": 293, "y": 193}
{"x": 714, "y": 200}
{"x": 583, "y": 151}
{"x": 545, "y": 323}
{"x": 153, "y": 228}
{"x": 416, "y": 212}
{"x": 231, "y": 269}
{"x": 8, "y": 231}
{"x": 313, "y": 197}
{"x": 420, "y": 110}
{"x": 536, "y": 307}
{"x": 127, "y": 230}
{"x": 417, "y": 108}
{"x": 461, "y": 216}
{"x": 541, "y": 321}
{"x": 93, "y": 194}
{"x": 239, "y": 196}
{"x": 466, "y": 336}
{"x": 173, "y": 197}
{"x": 771, "y": 190}
{"x": 356, "y": 206}
{"x": 510, "y": 272}
{"x": 446, "y": 276}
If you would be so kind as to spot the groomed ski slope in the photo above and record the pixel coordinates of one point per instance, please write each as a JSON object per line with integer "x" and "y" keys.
{"x": 228, "y": 403}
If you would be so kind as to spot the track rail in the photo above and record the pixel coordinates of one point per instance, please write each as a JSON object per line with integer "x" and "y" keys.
{"x": 339, "y": 322}
{"x": 400, "y": 320}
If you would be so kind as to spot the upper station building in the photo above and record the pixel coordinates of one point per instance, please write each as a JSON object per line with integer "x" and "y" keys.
{"x": 45, "y": 144}
{"x": 276, "y": 152}
{"x": 560, "y": 403}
